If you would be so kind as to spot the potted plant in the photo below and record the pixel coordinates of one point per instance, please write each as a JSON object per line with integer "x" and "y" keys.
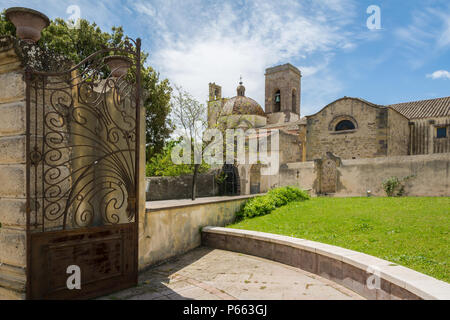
{"x": 119, "y": 65}
{"x": 28, "y": 22}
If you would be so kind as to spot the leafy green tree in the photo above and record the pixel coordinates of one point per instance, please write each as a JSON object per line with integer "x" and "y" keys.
{"x": 79, "y": 43}
{"x": 6, "y": 27}
{"x": 162, "y": 164}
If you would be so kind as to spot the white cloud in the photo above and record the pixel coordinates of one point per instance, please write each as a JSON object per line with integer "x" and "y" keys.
{"x": 194, "y": 42}
{"x": 440, "y": 74}
{"x": 218, "y": 42}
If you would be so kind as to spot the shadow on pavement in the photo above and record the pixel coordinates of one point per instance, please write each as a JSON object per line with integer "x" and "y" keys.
{"x": 162, "y": 282}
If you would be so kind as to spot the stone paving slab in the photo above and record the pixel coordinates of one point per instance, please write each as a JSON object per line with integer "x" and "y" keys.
{"x": 207, "y": 274}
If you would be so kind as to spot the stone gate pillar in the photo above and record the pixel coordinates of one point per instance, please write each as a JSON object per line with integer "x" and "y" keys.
{"x": 12, "y": 173}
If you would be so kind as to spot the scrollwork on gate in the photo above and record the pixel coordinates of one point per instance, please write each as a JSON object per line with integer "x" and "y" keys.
{"x": 83, "y": 144}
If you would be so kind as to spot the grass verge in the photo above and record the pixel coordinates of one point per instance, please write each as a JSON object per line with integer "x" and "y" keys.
{"x": 413, "y": 232}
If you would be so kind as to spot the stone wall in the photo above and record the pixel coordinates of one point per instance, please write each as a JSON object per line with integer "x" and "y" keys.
{"x": 300, "y": 174}
{"x": 303, "y": 143}
{"x": 379, "y": 131}
{"x": 282, "y": 117}
{"x": 12, "y": 176}
{"x": 431, "y": 175}
{"x": 169, "y": 188}
{"x": 289, "y": 150}
{"x": 170, "y": 229}
{"x": 214, "y": 111}
{"x": 398, "y": 134}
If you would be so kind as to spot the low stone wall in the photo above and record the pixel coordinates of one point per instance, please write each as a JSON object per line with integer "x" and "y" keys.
{"x": 348, "y": 268}
{"x": 169, "y": 188}
{"x": 431, "y": 175}
{"x": 300, "y": 174}
{"x": 171, "y": 228}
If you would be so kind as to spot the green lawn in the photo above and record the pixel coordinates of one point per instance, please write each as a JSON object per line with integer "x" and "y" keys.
{"x": 413, "y": 232}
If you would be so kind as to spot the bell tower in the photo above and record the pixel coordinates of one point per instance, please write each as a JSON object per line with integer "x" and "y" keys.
{"x": 215, "y": 92}
{"x": 282, "y": 92}
{"x": 215, "y": 103}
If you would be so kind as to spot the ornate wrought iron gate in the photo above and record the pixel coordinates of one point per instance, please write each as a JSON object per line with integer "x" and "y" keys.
{"x": 83, "y": 133}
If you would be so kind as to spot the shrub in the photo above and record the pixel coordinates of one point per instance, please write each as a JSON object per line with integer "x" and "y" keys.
{"x": 275, "y": 198}
{"x": 395, "y": 187}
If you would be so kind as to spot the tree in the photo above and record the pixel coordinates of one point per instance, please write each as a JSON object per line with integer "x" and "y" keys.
{"x": 77, "y": 44}
{"x": 6, "y": 27}
{"x": 162, "y": 164}
{"x": 189, "y": 116}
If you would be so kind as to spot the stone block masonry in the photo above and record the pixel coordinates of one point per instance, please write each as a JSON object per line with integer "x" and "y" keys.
{"x": 379, "y": 131}
{"x": 171, "y": 228}
{"x": 430, "y": 175}
{"x": 12, "y": 86}
{"x": 12, "y": 177}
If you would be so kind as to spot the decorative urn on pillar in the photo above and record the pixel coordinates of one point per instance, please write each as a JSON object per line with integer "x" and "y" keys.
{"x": 28, "y": 22}
{"x": 119, "y": 65}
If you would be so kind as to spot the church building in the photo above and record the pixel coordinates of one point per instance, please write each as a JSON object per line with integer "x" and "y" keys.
{"x": 348, "y": 128}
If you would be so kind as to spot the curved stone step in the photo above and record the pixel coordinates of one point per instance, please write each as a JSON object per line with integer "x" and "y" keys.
{"x": 371, "y": 277}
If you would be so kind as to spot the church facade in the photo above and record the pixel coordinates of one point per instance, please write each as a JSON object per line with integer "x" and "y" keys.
{"x": 348, "y": 128}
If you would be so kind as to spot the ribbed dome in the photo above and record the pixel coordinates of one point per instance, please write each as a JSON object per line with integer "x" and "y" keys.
{"x": 242, "y": 105}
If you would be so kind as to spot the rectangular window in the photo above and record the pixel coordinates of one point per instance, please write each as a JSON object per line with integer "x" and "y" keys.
{"x": 441, "y": 132}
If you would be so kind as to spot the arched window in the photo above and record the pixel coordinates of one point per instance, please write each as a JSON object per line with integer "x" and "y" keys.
{"x": 294, "y": 102}
{"x": 345, "y": 125}
{"x": 277, "y": 102}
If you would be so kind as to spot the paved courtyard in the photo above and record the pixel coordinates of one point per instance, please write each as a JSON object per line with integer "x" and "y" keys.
{"x": 207, "y": 274}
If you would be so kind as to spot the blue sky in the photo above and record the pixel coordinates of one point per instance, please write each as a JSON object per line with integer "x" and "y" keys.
{"x": 195, "y": 42}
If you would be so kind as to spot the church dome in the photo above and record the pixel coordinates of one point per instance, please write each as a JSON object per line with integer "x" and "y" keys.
{"x": 242, "y": 105}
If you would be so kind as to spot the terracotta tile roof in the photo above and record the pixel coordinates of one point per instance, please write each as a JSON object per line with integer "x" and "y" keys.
{"x": 432, "y": 108}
